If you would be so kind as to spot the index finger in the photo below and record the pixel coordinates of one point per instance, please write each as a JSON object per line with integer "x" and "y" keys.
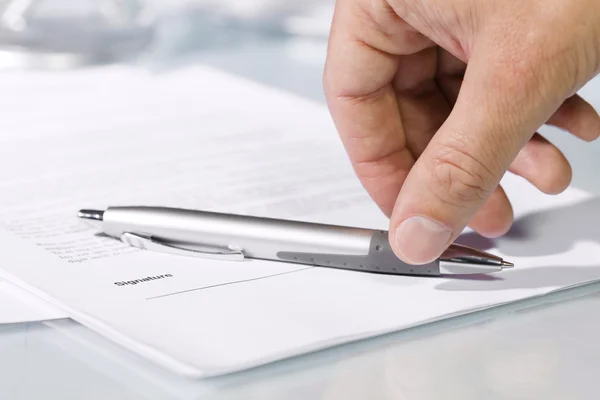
{"x": 365, "y": 43}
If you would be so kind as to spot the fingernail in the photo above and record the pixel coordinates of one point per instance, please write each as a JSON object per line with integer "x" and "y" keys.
{"x": 421, "y": 240}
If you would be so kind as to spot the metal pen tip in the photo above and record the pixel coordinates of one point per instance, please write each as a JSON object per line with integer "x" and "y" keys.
{"x": 95, "y": 215}
{"x": 507, "y": 264}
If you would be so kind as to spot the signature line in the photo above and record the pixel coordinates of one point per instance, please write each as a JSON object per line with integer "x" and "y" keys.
{"x": 228, "y": 283}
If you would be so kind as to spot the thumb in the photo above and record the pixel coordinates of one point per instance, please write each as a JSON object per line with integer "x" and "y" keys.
{"x": 499, "y": 108}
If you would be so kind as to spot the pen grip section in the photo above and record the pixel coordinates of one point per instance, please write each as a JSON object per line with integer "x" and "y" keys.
{"x": 380, "y": 259}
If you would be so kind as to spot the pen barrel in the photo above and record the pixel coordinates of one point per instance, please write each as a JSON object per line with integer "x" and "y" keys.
{"x": 258, "y": 237}
{"x": 265, "y": 238}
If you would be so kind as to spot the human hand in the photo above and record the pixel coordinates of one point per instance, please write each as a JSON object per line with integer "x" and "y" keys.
{"x": 435, "y": 100}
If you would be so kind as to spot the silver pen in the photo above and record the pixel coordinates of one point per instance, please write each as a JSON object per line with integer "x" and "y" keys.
{"x": 236, "y": 237}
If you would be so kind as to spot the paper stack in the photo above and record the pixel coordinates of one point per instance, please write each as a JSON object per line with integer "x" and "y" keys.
{"x": 198, "y": 138}
{"x": 18, "y": 306}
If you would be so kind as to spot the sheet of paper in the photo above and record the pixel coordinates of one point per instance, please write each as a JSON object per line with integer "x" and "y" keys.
{"x": 198, "y": 138}
{"x": 19, "y": 306}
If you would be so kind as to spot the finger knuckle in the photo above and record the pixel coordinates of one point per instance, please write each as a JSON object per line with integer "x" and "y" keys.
{"x": 460, "y": 178}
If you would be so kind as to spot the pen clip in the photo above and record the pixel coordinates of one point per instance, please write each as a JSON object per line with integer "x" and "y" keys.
{"x": 149, "y": 243}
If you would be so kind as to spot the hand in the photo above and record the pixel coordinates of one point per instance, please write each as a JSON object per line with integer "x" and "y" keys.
{"x": 435, "y": 100}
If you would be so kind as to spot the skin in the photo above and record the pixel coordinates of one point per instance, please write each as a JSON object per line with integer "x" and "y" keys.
{"x": 435, "y": 100}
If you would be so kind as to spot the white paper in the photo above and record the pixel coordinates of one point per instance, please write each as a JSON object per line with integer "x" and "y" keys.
{"x": 19, "y": 306}
{"x": 200, "y": 139}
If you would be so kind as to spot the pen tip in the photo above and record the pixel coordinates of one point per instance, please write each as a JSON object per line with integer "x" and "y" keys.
{"x": 507, "y": 264}
{"x": 91, "y": 214}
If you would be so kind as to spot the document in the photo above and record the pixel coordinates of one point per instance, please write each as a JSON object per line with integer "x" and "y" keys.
{"x": 19, "y": 306}
{"x": 198, "y": 138}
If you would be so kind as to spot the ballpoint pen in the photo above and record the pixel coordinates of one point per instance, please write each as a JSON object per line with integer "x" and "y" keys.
{"x": 236, "y": 237}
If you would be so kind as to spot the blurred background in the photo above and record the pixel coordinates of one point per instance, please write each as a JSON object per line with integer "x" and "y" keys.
{"x": 73, "y": 33}
{"x": 281, "y": 43}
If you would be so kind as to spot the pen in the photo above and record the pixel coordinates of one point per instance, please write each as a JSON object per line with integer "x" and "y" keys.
{"x": 237, "y": 237}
